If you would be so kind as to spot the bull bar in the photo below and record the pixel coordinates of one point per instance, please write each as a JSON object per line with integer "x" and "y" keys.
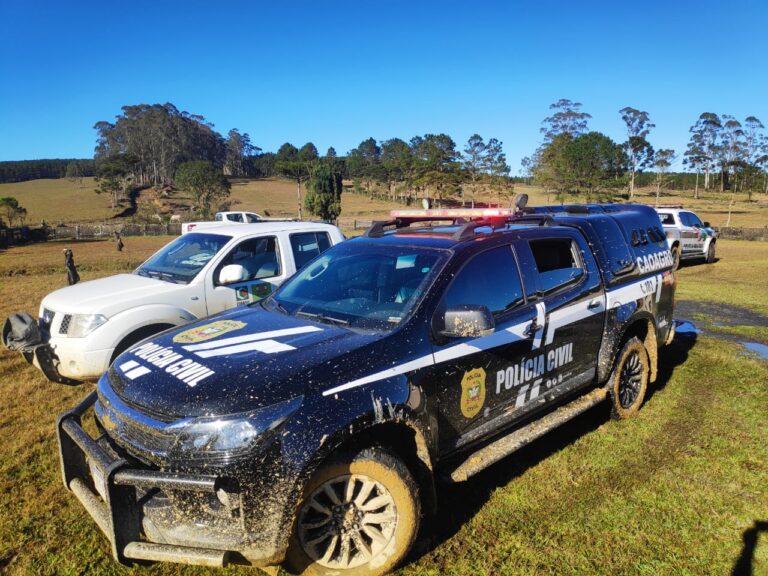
{"x": 86, "y": 467}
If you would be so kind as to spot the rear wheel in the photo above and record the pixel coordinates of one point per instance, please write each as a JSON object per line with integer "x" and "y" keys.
{"x": 710, "y": 257}
{"x": 359, "y": 516}
{"x": 629, "y": 380}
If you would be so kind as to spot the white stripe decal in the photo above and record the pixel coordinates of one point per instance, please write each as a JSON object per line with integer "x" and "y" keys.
{"x": 658, "y": 287}
{"x": 252, "y": 337}
{"x": 507, "y": 336}
{"x": 136, "y": 372}
{"x": 562, "y": 317}
{"x": 541, "y": 318}
{"x": 125, "y": 366}
{"x": 266, "y": 346}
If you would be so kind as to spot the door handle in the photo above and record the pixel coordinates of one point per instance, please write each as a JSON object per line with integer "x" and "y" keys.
{"x": 195, "y": 298}
{"x": 594, "y": 303}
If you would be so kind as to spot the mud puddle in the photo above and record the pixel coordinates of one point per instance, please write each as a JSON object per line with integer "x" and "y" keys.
{"x": 720, "y": 315}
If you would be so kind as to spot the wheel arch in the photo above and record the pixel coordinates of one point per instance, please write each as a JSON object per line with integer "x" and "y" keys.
{"x": 138, "y": 335}
{"x": 404, "y": 439}
{"x": 644, "y": 329}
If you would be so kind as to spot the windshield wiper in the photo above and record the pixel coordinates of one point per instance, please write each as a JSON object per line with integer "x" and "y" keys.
{"x": 323, "y": 318}
{"x": 169, "y": 277}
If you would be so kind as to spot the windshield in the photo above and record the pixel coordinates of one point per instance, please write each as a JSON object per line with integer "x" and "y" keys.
{"x": 182, "y": 259}
{"x": 360, "y": 285}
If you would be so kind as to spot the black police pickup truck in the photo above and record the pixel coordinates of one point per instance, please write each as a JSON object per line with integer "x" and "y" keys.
{"x": 309, "y": 429}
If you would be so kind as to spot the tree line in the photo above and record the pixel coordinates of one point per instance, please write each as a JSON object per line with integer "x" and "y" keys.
{"x": 575, "y": 161}
{"x": 22, "y": 170}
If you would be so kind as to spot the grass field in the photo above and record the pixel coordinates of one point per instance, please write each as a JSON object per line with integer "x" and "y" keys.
{"x": 62, "y": 200}
{"x": 680, "y": 489}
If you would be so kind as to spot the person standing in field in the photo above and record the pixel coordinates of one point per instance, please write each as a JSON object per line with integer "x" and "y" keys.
{"x": 69, "y": 261}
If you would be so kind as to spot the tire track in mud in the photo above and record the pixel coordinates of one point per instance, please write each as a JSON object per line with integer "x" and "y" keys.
{"x": 659, "y": 451}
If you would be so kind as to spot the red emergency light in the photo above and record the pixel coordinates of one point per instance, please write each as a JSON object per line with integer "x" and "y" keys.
{"x": 455, "y": 213}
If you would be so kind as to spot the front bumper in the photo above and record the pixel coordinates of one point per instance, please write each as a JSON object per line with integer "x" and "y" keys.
{"x": 118, "y": 493}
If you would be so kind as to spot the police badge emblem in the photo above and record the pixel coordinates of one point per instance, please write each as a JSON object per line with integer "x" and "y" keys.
{"x": 472, "y": 392}
{"x": 207, "y": 331}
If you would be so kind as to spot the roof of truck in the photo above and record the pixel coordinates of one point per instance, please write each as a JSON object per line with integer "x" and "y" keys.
{"x": 264, "y": 227}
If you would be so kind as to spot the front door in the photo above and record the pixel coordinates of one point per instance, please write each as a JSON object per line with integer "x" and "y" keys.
{"x": 263, "y": 272}
{"x": 479, "y": 379}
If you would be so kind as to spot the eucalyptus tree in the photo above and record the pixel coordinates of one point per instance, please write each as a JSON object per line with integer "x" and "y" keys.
{"x": 732, "y": 149}
{"x": 663, "y": 160}
{"x": 704, "y": 136}
{"x": 567, "y": 118}
{"x": 637, "y": 148}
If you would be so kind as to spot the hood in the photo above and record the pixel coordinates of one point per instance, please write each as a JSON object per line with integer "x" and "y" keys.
{"x": 234, "y": 362}
{"x": 109, "y": 295}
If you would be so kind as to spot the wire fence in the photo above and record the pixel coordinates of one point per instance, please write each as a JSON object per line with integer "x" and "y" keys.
{"x": 26, "y": 234}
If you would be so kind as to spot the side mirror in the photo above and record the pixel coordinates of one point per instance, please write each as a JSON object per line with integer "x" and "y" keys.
{"x": 466, "y": 321}
{"x": 520, "y": 202}
{"x": 232, "y": 273}
{"x": 707, "y": 225}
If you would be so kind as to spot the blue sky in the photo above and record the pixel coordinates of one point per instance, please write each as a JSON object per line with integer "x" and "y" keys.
{"x": 336, "y": 73}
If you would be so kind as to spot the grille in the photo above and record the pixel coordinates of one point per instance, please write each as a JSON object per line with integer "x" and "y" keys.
{"x": 64, "y": 328}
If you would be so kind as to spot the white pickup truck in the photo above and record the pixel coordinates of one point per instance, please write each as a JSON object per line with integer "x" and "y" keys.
{"x": 687, "y": 236}
{"x": 224, "y": 218}
{"x": 82, "y": 328}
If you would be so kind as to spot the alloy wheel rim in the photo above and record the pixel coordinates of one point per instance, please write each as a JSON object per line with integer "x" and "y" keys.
{"x": 630, "y": 380}
{"x": 347, "y": 522}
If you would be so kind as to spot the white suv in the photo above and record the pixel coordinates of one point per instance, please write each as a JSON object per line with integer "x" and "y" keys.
{"x": 82, "y": 328}
{"x": 687, "y": 236}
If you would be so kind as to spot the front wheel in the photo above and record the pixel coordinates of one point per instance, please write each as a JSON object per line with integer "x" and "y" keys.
{"x": 359, "y": 516}
{"x": 629, "y": 379}
{"x": 675, "y": 257}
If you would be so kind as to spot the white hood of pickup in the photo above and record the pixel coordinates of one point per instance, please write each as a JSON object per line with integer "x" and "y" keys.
{"x": 113, "y": 294}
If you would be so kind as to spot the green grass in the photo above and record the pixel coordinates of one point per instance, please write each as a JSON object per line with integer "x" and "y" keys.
{"x": 672, "y": 491}
{"x": 739, "y": 277}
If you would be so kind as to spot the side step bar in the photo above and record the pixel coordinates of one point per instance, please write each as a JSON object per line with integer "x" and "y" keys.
{"x": 512, "y": 442}
{"x": 183, "y": 555}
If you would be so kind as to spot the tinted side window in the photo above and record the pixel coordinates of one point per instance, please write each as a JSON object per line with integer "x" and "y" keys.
{"x": 258, "y": 256}
{"x": 667, "y": 219}
{"x": 694, "y": 220}
{"x": 308, "y": 245}
{"x": 252, "y": 218}
{"x": 558, "y": 262}
{"x": 489, "y": 279}
{"x": 237, "y": 217}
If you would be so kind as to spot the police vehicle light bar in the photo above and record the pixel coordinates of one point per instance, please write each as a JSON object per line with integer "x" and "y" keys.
{"x": 455, "y": 213}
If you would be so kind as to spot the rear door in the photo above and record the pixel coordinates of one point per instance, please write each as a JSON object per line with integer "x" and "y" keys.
{"x": 691, "y": 233}
{"x": 569, "y": 290}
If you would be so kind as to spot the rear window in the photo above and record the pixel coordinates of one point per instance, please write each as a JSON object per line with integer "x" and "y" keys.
{"x": 667, "y": 219}
{"x": 308, "y": 245}
{"x": 557, "y": 261}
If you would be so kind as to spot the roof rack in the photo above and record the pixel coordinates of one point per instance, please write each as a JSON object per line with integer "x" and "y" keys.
{"x": 377, "y": 228}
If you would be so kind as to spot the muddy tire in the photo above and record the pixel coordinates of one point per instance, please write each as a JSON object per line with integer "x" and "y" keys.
{"x": 675, "y": 257}
{"x": 359, "y": 516}
{"x": 629, "y": 379}
{"x": 710, "y": 257}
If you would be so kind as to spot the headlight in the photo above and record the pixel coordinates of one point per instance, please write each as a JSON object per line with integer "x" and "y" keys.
{"x": 210, "y": 436}
{"x": 83, "y": 324}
